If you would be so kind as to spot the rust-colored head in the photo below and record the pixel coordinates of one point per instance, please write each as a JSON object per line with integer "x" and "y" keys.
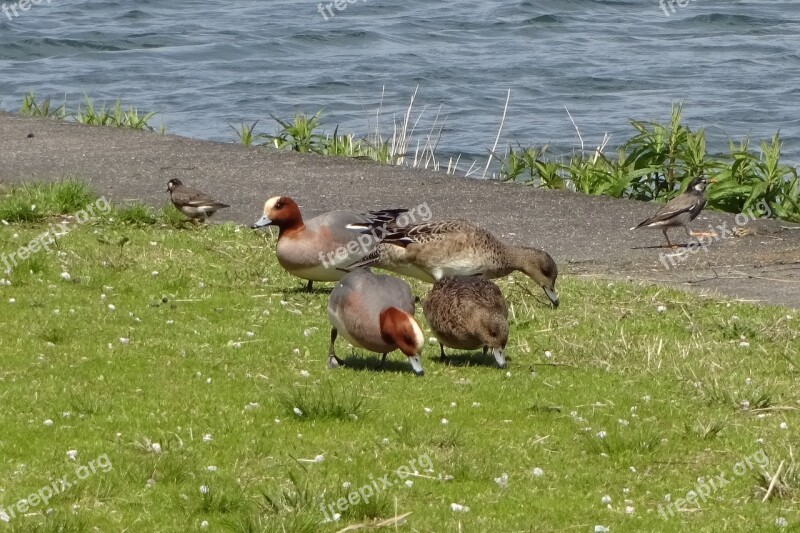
{"x": 280, "y": 211}
{"x": 400, "y": 329}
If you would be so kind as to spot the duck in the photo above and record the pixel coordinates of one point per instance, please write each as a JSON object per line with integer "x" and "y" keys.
{"x": 447, "y": 248}
{"x": 196, "y": 205}
{"x": 375, "y": 312}
{"x": 315, "y": 249}
{"x": 466, "y": 313}
{"x": 681, "y": 210}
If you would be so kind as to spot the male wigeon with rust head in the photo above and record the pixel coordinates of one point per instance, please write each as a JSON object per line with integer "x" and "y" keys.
{"x": 318, "y": 249}
{"x": 375, "y": 312}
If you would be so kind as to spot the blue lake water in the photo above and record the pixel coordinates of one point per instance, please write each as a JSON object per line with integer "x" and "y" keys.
{"x": 204, "y": 65}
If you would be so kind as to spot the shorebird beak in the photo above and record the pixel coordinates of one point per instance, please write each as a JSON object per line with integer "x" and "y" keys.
{"x": 551, "y": 295}
{"x": 499, "y": 356}
{"x": 261, "y": 222}
{"x": 416, "y": 365}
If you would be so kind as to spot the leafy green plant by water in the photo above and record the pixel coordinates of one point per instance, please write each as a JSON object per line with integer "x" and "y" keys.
{"x": 90, "y": 114}
{"x": 659, "y": 161}
{"x": 32, "y": 108}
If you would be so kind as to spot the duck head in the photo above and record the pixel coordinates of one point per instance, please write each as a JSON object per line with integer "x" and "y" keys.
{"x": 401, "y": 329}
{"x": 540, "y": 267}
{"x": 280, "y": 211}
{"x": 494, "y": 335}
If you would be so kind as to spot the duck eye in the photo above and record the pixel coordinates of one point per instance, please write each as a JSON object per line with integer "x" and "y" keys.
{"x": 407, "y": 339}
{"x": 279, "y": 204}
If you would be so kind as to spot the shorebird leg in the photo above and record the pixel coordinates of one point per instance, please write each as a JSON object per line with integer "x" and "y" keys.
{"x": 669, "y": 243}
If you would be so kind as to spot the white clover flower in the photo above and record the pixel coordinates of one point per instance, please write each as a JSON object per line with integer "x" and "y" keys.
{"x": 297, "y": 411}
{"x": 502, "y": 481}
{"x": 207, "y": 437}
{"x": 203, "y": 489}
{"x": 605, "y": 499}
{"x": 72, "y": 454}
{"x": 537, "y": 472}
{"x": 65, "y": 276}
{"x": 48, "y": 422}
{"x": 458, "y": 508}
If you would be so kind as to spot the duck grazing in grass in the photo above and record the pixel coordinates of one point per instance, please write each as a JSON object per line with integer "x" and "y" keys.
{"x": 681, "y": 210}
{"x": 467, "y": 313}
{"x": 449, "y": 248}
{"x": 316, "y": 249}
{"x": 196, "y": 205}
{"x": 375, "y": 312}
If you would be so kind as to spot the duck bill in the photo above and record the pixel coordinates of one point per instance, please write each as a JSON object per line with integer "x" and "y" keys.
{"x": 551, "y": 295}
{"x": 416, "y": 364}
{"x": 499, "y": 356}
{"x": 261, "y": 222}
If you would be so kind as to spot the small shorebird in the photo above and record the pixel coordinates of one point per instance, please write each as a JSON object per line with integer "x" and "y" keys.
{"x": 681, "y": 210}
{"x": 194, "y": 204}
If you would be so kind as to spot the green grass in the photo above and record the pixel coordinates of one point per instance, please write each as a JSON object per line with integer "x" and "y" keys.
{"x": 171, "y": 350}
{"x": 35, "y": 202}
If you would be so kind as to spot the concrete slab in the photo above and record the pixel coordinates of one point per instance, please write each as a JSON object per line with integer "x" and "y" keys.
{"x": 587, "y": 235}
